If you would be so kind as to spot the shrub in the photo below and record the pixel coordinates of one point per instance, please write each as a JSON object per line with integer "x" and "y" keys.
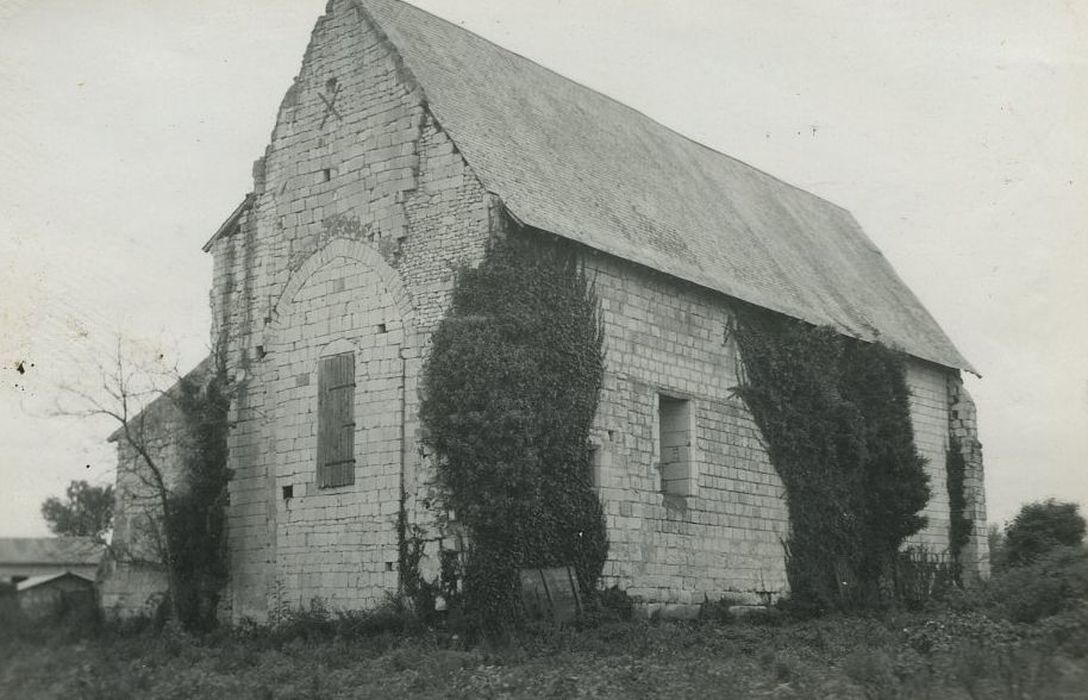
{"x": 196, "y": 515}
{"x": 1040, "y": 527}
{"x": 995, "y": 539}
{"x": 314, "y": 622}
{"x": 1055, "y": 581}
{"x": 919, "y": 578}
{"x": 615, "y": 603}
{"x": 510, "y": 391}
{"x": 835, "y": 415}
{"x": 1067, "y": 630}
{"x": 873, "y": 670}
{"x": 718, "y": 610}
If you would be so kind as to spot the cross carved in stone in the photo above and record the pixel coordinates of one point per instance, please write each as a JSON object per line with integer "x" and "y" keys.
{"x": 333, "y": 88}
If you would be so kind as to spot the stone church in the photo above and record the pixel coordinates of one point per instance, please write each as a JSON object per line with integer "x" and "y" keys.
{"x": 404, "y": 147}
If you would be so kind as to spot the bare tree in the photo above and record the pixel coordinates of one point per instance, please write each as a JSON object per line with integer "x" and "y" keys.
{"x": 147, "y": 403}
{"x": 127, "y": 393}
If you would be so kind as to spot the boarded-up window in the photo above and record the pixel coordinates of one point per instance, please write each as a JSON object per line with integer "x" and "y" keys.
{"x": 675, "y": 441}
{"x": 336, "y": 421}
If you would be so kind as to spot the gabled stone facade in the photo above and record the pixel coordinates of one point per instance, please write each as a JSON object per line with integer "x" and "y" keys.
{"x": 363, "y": 210}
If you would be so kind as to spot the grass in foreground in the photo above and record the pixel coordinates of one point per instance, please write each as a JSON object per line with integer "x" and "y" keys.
{"x": 947, "y": 656}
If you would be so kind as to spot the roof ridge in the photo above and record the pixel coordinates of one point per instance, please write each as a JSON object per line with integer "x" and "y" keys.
{"x": 570, "y": 159}
{"x": 624, "y": 105}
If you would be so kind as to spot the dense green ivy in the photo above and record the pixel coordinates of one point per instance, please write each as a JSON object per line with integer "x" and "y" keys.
{"x": 510, "y": 390}
{"x": 835, "y": 415}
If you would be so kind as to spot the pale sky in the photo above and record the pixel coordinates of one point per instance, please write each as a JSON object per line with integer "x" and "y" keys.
{"x": 953, "y": 130}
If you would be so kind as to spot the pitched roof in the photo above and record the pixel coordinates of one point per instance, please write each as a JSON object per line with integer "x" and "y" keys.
{"x": 35, "y": 581}
{"x": 231, "y": 222}
{"x": 165, "y": 404}
{"x": 61, "y": 551}
{"x": 568, "y": 160}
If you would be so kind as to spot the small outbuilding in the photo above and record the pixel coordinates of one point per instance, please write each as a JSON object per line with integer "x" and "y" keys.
{"x": 54, "y": 595}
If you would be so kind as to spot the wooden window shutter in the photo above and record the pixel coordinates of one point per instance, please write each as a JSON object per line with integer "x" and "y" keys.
{"x": 336, "y": 421}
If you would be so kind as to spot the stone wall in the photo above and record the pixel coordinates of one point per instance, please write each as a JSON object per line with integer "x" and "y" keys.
{"x": 667, "y": 338}
{"x": 929, "y": 413}
{"x": 963, "y": 425}
{"x": 363, "y": 213}
{"x": 337, "y": 543}
{"x": 133, "y": 574}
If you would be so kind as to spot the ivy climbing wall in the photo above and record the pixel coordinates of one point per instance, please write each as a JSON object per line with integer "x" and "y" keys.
{"x": 963, "y": 426}
{"x": 723, "y": 535}
{"x": 362, "y": 212}
{"x": 668, "y": 343}
{"x": 929, "y": 413}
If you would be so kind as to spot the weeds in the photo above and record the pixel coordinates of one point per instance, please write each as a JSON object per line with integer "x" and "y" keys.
{"x": 970, "y": 650}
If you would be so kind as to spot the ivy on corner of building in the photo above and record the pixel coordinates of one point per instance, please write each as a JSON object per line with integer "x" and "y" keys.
{"x": 195, "y": 516}
{"x": 510, "y": 391}
{"x": 960, "y": 526}
{"x": 834, "y": 413}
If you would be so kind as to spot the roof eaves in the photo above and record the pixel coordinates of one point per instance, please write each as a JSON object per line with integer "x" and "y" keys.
{"x": 195, "y": 372}
{"x": 953, "y": 359}
{"x": 35, "y": 581}
{"x": 231, "y": 221}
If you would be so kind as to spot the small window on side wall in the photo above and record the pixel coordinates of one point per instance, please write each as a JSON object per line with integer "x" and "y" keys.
{"x": 336, "y": 421}
{"x": 676, "y": 445}
{"x": 593, "y": 466}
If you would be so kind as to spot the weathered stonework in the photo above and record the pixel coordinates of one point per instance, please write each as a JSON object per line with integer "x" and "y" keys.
{"x": 667, "y": 338}
{"x": 360, "y": 221}
{"x": 133, "y": 578}
{"x": 363, "y": 210}
{"x": 929, "y": 414}
{"x": 963, "y": 426}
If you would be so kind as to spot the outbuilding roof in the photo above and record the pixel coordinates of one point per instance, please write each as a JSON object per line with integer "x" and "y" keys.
{"x": 60, "y": 551}
{"x": 566, "y": 159}
{"x": 35, "y": 581}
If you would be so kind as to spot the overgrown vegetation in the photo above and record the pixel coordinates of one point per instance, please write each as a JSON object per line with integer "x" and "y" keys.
{"x": 511, "y": 387}
{"x": 196, "y": 512}
{"x": 1050, "y": 584}
{"x": 1039, "y": 528}
{"x": 836, "y": 419}
{"x": 1022, "y": 635}
{"x": 174, "y": 465}
{"x": 959, "y": 527}
{"x": 317, "y": 654}
{"x": 1040, "y": 564}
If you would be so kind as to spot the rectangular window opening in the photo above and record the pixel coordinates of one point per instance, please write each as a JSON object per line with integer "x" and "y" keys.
{"x": 326, "y": 175}
{"x": 336, "y": 421}
{"x": 675, "y": 441}
{"x": 288, "y": 492}
{"x": 593, "y": 466}
{"x": 381, "y": 328}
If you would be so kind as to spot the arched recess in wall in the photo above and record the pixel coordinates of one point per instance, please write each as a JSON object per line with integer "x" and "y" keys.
{"x": 336, "y": 386}
{"x": 343, "y": 317}
{"x": 352, "y": 250}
